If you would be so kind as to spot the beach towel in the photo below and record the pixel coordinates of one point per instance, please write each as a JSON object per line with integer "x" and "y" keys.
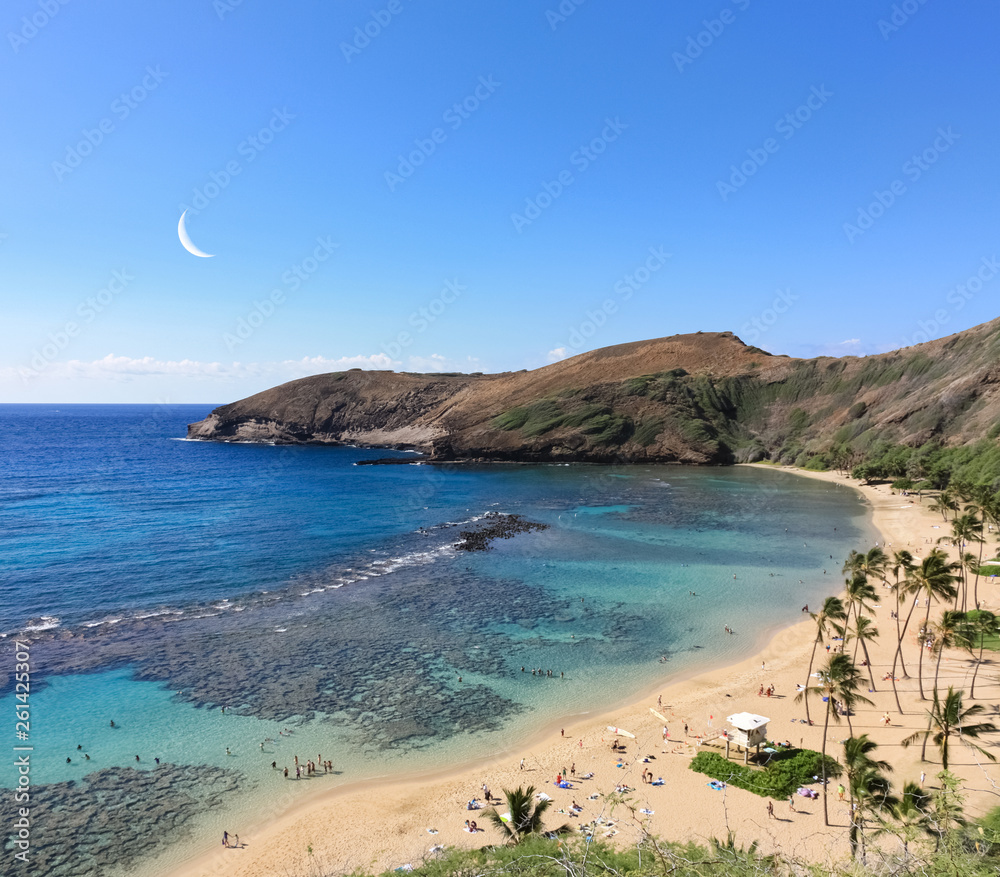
{"x": 715, "y": 784}
{"x": 647, "y": 811}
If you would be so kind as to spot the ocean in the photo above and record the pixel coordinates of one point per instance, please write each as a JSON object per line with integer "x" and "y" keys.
{"x": 229, "y": 607}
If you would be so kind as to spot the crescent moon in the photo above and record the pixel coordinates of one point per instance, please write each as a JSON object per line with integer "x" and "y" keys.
{"x": 186, "y": 241}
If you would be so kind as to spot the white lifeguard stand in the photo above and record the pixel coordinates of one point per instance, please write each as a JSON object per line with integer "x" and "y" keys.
{"x": 749, "y": 730}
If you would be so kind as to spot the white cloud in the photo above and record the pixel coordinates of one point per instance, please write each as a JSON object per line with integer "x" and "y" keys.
{"x": 127, "y": 368}
{"x": 850, "y": 342}
{"x": 557, "y": 354}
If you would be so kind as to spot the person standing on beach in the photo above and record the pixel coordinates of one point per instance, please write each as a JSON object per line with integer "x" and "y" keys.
{"x": 770, "y": 809}
{"x": 522, "y": 764}
{"x": 791, "y": 803}
{"x": 225, "y": 838}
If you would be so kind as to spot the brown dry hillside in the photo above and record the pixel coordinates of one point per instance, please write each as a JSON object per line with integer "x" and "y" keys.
{"x": 702, "y": 398}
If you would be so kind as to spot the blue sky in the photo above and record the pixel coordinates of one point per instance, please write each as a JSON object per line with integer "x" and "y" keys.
{"x": 481, "y": 186}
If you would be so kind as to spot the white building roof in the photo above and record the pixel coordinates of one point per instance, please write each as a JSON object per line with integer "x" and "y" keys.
{"x": 747, "y": 721}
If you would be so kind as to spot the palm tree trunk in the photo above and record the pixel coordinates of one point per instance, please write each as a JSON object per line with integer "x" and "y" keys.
{"x": 975, "y": 586}
{"x": 972, "y": 689}
{"x": 937, "y": 666}
{"x": 923, "y": 749}
{"x": 923, "y": 639}
{"x": 847, "y": 623}
{"x": 899, "y": 635}
{"x": 899, "y": 655}
{"x": 868, "y": 661}
{"x": 808, "y": 677}
{"x": 906, "y": 624}
{"x": 826, "y": 725}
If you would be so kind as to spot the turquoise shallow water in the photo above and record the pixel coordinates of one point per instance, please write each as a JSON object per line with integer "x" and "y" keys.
{"x": 305, "y": 593}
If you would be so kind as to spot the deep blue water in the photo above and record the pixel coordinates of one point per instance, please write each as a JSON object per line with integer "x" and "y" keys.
{"x": 159, "y": 579}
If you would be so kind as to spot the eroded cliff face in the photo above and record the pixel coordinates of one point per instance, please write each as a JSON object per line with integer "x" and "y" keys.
{"x": 702, "y": 398}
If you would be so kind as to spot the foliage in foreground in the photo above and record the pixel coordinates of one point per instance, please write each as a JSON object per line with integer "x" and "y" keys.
{"x": 779, "y": 778}
{"x": 540, "y": 857}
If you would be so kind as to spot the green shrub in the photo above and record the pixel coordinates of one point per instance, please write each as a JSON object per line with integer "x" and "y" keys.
{"x": 779, "y": 778}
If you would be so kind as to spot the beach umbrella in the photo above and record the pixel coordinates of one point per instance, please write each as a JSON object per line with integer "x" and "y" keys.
{"x": 615, "y": 730}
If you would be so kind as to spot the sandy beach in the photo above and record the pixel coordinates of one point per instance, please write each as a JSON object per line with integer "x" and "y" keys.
{"x": 386, "y": 824}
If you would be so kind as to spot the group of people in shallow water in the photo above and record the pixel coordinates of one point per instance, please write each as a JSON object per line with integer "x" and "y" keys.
{"x": 538, "y": 671}
{"x": 309, "y": 768}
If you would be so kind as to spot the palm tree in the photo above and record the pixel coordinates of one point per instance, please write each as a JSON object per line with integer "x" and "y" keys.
{"x": 976, "y": 626}
{"x": 983, "y": 501}
{"x": 861, "y": 596}
{"x": 944, "y": 503}
{"x": 525, "y": 816}
{"x": 971, "y": 564}
{"x": 946, "y": 634}
{"x": 832, "y": 612}
{"x": 946, "y": 718}
{"x": 869, "y": 788}
{"x": 934, "y": 579}
{"x": 865, "y": 631}
{"x": 902, "y": 560}
{"x": 839, "y": 679}
{"x": 964, "y": 528}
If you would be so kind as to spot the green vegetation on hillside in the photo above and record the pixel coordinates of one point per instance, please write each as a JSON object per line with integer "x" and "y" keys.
{"x": 929, "y": 466}
{"x": 597, "y": 422}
